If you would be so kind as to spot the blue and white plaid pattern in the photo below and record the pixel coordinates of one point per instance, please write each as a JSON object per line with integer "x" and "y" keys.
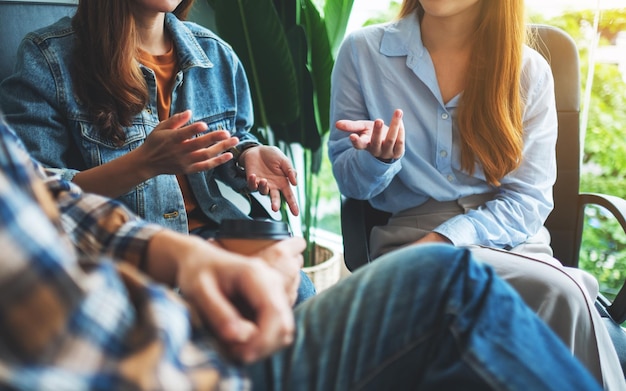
{"x": 75, "y": 311}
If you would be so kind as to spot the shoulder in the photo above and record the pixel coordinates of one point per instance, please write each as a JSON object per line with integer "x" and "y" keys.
{"x": 52, "y": 44}
{"x": 533, "y": 63}
{"x": 536, "y": 80}
{"x": 536, "y": 71}
{"x": 362, "y": 43}
{"x": 206, "y": 38}
{"x": 391, "y": 39}
{"x": 198, "y": 42}
{"x": 367, "y": 36}
{"x": 204, "y": 34}
{"x": 60, "y": 29}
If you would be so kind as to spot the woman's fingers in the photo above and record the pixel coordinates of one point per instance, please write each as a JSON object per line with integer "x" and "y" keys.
{"x": 354, "y": 126}
{"x": 379, "y": 136}
{"x": 394, "y": 147}
{"x": 176, "y": 121}
{"x": 388, "y": 142}
{"x": 384, "y": 143}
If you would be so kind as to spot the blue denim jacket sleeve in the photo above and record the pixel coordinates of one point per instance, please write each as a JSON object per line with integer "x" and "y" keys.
{"x": 228, "y": 172}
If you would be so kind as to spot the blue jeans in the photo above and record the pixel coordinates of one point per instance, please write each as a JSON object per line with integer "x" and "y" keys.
{"x": 425, "y": 317}
{"x": 306, "y": 289}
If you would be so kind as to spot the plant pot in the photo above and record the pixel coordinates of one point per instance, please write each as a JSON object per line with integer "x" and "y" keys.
{"x": 329, "y": 258}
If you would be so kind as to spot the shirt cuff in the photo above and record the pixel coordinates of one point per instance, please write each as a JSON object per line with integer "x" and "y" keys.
{"x": 130, "y": 243}
{"x": 238, "y": 149}
{"x": 374, "y": 166}
{"x": 459, "y": 231}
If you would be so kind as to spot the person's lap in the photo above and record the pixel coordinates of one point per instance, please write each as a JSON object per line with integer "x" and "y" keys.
{"x": 562, "y": 297}
{"x": 569, "y": 312}
{"x": 423, "y": 316}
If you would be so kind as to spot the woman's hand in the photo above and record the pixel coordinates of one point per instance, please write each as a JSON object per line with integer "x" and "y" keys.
{"x": 384, "y": 143}
{"x": 172, "y": 147}
{"x": 434, "y": 237}
{"x": 269, "y": 171}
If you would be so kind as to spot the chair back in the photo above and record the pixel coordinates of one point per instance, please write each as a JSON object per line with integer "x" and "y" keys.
{"x": 560, "y": 51}
{"x": 18, "y": 18}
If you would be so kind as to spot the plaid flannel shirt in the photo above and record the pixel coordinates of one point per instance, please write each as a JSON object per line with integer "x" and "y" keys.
{"x": 76, "y": 313}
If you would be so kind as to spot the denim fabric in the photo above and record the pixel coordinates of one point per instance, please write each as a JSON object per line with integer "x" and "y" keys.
{"x": 306, "y": 289}
{"x": 424, "y": 317}
{"x": 39, "y": 104}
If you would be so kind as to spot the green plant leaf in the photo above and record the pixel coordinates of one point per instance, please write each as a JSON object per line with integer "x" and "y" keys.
{"x": 254, "y": 30}
{"x": 290, "y": 44}
{"x": 304, "y": 130}
{"x": 336, "y": 14}
{"x": 321, "y": 64}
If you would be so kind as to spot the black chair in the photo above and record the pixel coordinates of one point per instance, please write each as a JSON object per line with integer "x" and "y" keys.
{"x": 566, "y": 221}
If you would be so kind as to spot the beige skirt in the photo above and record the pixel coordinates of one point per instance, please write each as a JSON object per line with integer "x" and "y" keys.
{"x": 563, "y": 297}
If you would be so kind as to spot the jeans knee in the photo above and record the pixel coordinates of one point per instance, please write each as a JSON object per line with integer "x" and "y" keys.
{"x": 428, "y": 264}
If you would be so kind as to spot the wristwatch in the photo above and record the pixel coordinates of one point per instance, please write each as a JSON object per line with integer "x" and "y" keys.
{"x": 238, "y": 149}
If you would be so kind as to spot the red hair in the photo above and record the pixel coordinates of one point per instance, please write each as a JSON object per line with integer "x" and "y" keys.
{"x": 490, "y": 109}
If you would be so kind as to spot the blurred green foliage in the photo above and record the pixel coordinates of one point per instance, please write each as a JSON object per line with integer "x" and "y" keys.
{"x": 603, "y": 251}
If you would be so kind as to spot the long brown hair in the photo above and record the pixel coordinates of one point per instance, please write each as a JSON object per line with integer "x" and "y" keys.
{"x": 106, "y": 76}
{"x": 490, "y": 110}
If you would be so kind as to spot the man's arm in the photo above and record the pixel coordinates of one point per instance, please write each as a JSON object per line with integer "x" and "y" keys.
{"x": 245, "y": 302}
{"x": 99, "y": 227}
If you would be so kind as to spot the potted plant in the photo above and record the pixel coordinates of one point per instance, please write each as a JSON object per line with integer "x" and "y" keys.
{"x": 288, "y": 48}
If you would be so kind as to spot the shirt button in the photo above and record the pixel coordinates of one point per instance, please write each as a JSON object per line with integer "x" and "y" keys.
{"x": 148, "y": 110}
{"x": 444, "y": 116}
{"x": 443, "y": 153}
{"x": 213, "y": 208}
{"x": 450, "y": 178}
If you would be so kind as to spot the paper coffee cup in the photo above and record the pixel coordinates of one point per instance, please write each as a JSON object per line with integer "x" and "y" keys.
{"x": 248, "y": 236}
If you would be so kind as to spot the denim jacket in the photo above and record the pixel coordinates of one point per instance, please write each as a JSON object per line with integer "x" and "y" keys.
{"x": 40, "y": 105}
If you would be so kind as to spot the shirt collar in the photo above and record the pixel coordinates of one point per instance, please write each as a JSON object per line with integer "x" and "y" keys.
{"x": 190, "y": 53}
{"x": 403, "y": 38}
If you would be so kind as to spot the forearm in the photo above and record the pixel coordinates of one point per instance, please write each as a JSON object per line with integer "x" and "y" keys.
{"x": 167, "y": 250}
{"x": 116, "y": 177}
{"x": 100, "y": 226}
{"x": 164, "y": 252}
{"x": 502, "y": 222}
{"x": 359, "y": 174}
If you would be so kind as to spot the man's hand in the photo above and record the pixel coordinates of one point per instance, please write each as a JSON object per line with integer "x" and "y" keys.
{"x": 286, "y": 257}
{"x": 241, "y": 298}
{"x": 269, "y": 171}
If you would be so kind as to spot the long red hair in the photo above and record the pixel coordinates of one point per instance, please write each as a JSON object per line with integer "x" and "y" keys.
{"x": 106, "y": 75}
{"x": 490, "y": 110}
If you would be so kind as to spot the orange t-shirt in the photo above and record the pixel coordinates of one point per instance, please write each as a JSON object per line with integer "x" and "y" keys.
{"x": 165, "y": 68}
